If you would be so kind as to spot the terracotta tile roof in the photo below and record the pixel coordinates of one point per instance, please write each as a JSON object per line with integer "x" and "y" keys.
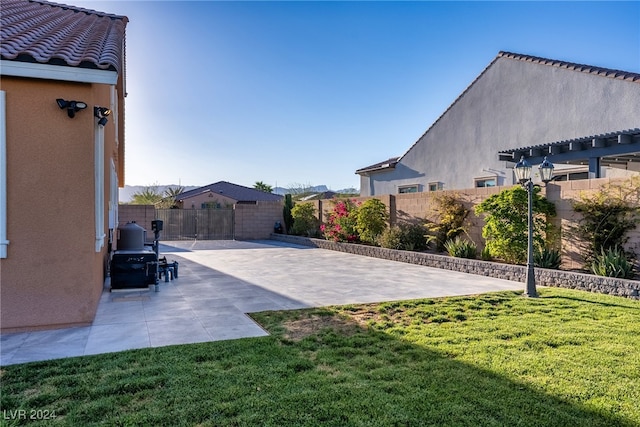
{"x": 50, "y": 33}
{"x": 607, "y": 72}
{"x": 233, "y": 191}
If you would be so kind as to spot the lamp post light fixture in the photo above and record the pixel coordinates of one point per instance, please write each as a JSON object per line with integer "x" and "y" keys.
{"x": 522, "y": 170}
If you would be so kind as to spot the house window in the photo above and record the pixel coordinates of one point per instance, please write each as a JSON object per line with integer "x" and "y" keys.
{"x": 485, "y": 182}
{"x": 408, "y": 189}
{"x": 436, "y": 186}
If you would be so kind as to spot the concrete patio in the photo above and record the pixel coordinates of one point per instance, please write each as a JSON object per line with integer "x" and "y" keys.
{"x": 220, "y": 281}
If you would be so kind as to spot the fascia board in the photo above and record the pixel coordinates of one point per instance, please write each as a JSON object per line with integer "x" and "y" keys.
{"x": 57, "y": 72}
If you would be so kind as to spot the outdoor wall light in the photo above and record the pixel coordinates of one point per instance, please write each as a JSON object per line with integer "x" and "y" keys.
{"x": 71, "y": 106}
{"x": 101, "y": 113}
{"x": 522, "y": 170}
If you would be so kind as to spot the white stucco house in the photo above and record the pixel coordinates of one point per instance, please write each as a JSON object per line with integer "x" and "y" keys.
{"x": 586, "y": 119}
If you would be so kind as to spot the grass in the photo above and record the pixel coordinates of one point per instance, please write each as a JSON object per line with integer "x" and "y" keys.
{"x": 568, "y": 358}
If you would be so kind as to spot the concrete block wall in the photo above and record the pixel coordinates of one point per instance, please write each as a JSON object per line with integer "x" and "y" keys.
{"x": 140, "y": 214}
{"x": 416, "y": 207}
{"x": 257, "y": 221}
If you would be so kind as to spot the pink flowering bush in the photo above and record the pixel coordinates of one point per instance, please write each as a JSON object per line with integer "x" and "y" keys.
{"x": 341, "y": 222}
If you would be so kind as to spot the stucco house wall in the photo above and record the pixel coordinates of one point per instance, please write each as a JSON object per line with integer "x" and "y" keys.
{"x": 196, "y": 201}
{"x": 61, "y": 173}
{"x": 512, "y": 103}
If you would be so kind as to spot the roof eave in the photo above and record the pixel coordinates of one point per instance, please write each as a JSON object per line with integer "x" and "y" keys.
{"x": 57, "y": 72}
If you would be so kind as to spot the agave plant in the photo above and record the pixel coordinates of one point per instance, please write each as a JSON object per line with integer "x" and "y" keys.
{"x": 461, "y": 248}
{"x": 612, "y": 262}
{"x": 547, "y": 258}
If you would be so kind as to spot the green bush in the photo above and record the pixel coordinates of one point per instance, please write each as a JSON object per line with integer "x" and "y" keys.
{"x": 407, "y": 237}
{"x": 607, "y": 217}
{"x": 461, "y": 248}
{"x": 391, "y": 238}
{"x": 451, "y": 214}
{"x": 485, "y": 254}
{"x": 547, "y": 258}
{"x": 341, "y": 222}
{"x": 612, "y": 262}
{"x": 305, "y": 222}
{"x": 371, "y": 220}
{"x": 505, "y": 228}
{"x": 286, "y": 213}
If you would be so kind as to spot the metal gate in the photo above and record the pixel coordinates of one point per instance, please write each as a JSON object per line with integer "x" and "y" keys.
{"x": 199, "y": 224}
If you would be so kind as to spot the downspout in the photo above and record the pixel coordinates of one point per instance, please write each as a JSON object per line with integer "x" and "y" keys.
{"x": 3, "y": 176}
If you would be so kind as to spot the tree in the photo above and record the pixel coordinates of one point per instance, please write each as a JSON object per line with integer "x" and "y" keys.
{"x": 259, "y": 185}
{"x": 371, "y": 220}
{"x": 506, "y": 225}
{"x": 286, "y": 213}
{"x": 305, "y": 222}
{"x": 148, "y": 196}
{"x": 452, "y": 215}
{"x": 169, "y": 197}
{"x": 607, "y": 218}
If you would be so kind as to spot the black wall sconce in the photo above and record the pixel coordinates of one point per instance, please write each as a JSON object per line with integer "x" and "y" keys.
{"x": 101, "y": 114}
{"x": 71, "y": 106}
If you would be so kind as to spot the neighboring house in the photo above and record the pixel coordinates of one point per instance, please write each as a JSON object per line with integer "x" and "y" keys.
{"x": 584, "y": 116}
{"x": 61, "y": 159}
{"x": 222, "y": 194}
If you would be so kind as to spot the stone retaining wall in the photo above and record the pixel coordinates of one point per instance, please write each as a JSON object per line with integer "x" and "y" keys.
{"x": 544, "y": 277}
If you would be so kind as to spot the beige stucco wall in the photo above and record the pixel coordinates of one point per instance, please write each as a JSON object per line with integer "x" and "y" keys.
{"x": 52, "y": 276}
{"x": 196, "y": 201}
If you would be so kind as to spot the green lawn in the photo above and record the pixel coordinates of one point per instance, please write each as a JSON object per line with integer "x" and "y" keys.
{"x": 568, "y": 358}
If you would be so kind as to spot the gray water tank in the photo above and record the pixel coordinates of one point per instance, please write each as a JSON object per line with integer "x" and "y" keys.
{"x": 131, "y": 237}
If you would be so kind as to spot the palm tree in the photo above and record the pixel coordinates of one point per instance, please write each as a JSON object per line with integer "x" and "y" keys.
{"x": 259, "y": 185}
{"x": 170, "y": 196}
{"x": 148, "y": 196}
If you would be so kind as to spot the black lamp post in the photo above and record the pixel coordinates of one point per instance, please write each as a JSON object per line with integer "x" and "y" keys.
{"x": 522, "y": 169}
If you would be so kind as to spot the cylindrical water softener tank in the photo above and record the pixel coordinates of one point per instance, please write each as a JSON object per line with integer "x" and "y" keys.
{"x": 131, "y": 237}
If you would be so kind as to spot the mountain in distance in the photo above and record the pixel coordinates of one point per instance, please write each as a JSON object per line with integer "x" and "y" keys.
{"x": 312, "y": 189}
{"x": 126, "y": 193}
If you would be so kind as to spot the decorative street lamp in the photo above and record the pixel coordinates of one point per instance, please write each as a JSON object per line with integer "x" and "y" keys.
{"x": 522, "y": 169}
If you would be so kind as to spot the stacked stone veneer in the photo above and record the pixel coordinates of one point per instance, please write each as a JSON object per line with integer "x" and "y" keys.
{"x": 544, "y": 277}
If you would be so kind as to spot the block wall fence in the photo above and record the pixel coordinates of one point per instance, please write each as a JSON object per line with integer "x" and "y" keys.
{"x": 251, "y": 221}
{"x": 257, "y": 221}
{"x": 416, "y": 207}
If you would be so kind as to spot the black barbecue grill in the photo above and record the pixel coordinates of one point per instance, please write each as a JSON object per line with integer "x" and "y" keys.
{"x": 136, "y": 265}
{"x": 133, "y": 265}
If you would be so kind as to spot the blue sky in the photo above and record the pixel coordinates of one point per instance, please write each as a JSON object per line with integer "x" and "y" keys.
{"x": 305, "y": 93}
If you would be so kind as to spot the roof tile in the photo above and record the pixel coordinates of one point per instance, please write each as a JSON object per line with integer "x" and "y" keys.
{"x": 234, "y": 191}
{"x": 51, "y": 33}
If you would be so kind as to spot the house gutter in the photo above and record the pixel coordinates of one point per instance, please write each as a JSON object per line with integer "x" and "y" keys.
{"x": 3, "y": 176}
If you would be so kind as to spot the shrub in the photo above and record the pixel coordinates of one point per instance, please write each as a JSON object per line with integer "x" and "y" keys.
{"x": 407, "y": 237}
{"x": 305, "y": 222}
{"x": 506, "y": 225}
{"x": 391, "y": 238}
{"x": 461, "y": 248}
{"x": 547, "y": 258}
{"x": 371, "y": 220}
{"x": 607, "y": 217}
{"x": 451, "y": 214}
{"x": 286, "y": 213}
{"x": 341, "y": 223}
{"x": 485, "y": 254}
{"x": 612, "y": 262}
